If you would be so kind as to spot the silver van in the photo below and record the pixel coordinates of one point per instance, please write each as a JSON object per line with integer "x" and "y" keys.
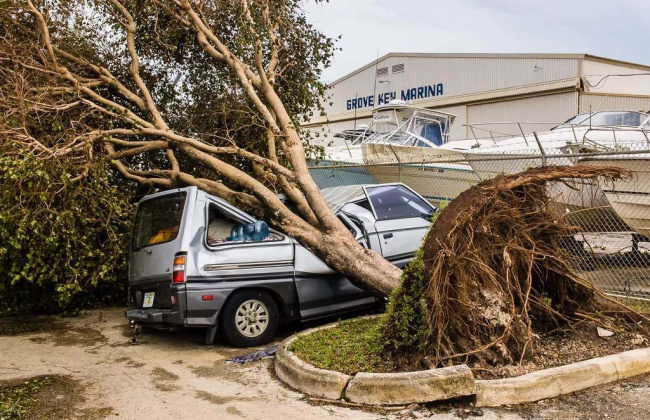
{"x": 197, "y": 261}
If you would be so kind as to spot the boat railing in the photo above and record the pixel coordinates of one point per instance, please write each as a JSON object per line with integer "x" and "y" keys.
{"x": 502, "y": 135}
{"x": 645, "y": 132}
{"x": 405, "y": 126}
{"x": 579, "y": 139}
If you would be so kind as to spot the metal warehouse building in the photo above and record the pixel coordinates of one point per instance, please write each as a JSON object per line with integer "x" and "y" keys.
{"x": 483, "y": 88}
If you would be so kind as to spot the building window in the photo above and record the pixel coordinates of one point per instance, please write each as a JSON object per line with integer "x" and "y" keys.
{"x": 398, "y": 68}
{"x": 382, "y": 72}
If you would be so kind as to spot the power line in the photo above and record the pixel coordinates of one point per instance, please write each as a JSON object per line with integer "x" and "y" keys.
{"x": 602, "y": 79}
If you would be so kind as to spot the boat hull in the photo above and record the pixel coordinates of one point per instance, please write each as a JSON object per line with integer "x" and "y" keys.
{"x": 382, "y": 152}
{"x": 580, "y": 202}
{"x": 630, "y": 198}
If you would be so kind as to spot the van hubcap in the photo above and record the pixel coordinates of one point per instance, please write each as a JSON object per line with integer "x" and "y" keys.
{"x": 252, "y": 318}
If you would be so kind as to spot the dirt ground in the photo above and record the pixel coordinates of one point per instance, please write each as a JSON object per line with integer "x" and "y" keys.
{"x": 92, "y": 371}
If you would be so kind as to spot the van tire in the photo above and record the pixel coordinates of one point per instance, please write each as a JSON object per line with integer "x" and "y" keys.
{"x": 256, "y": 303}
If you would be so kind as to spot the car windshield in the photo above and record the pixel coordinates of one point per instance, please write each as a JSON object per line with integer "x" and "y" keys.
{"x": 397, "y": 202}
{"x": 158, "y": 220}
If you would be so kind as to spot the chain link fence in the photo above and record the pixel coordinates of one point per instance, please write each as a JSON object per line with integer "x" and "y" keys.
{"x": 613, "y": 246}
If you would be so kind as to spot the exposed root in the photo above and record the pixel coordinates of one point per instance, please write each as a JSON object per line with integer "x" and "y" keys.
{"x": 494, "y": 275}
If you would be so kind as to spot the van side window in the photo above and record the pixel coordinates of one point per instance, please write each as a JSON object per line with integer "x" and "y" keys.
{"x": 223, "y": 229}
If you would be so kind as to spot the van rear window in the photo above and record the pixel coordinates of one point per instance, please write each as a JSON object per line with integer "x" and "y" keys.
{"x": 158, "y": 220}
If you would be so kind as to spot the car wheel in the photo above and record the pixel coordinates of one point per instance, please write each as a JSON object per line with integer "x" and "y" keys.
{"x": 250, "y": 318}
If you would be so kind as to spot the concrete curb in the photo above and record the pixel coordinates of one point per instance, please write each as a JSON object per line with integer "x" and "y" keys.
{"x": 370, "y": 388}
{"x": 410, "y": 387}
{"x": 561, "y": 380}
{"x": 455, "y": 381}
{"x": 307, "y": 378}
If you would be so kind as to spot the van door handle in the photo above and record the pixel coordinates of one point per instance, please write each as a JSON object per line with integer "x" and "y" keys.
{"x": 388, "y": 235}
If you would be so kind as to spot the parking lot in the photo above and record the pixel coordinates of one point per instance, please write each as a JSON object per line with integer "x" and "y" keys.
{"x": 174, "y": 375}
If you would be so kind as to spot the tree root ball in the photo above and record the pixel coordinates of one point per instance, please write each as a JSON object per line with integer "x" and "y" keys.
{"x": 493, "y": 273}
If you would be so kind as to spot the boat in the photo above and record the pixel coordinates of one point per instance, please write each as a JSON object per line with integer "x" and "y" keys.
{"x": 604, "y": 131}
{"x": 409, "y": 144}
{"x": 629, "y": 198}
{"x": 600, "y": 132}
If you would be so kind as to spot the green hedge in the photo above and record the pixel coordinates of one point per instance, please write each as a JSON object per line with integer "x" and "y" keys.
{"x": 62, "y": 242}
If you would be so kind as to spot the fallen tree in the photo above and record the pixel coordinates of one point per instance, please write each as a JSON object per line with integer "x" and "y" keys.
{"x": 116, "y": 78}
{"x": 494, "y": 273}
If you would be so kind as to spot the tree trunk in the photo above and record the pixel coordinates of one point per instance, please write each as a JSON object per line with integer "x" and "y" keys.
{"x": 363, "y": 267}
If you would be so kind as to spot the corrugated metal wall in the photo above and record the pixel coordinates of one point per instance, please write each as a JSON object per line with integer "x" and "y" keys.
{"x": 613, "y": 103}
{"x": 594, "y": 71}
{"x": 458, "y": 75}
{"x": 462, "y": 75}
{"x": 555, "y": 108}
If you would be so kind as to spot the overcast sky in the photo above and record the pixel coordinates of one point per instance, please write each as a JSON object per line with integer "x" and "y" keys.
{"x": 614, "y": 29}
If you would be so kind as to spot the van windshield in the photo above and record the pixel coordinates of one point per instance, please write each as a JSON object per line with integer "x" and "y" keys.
{"x": 158, "y": 220}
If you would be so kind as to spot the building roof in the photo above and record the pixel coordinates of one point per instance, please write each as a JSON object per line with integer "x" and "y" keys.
{"x": 494, "y": 55}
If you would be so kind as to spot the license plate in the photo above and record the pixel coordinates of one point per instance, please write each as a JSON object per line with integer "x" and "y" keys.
{"x": 148, "y": 300}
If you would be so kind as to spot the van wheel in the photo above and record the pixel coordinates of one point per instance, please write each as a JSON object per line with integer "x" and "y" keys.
{"x": 250, "y": 318}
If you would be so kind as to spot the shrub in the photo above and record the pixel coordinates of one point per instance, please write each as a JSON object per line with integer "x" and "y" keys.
{"x": 62, "y": 241}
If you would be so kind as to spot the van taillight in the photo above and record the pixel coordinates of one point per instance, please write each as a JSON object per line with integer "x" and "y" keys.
{"x": 179, "y": 269}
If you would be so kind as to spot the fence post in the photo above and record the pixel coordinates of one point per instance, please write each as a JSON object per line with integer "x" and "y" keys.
{"x": 541, "y": 149}
{"x": 399, "y": 163}
{"x": 522, "y": 133}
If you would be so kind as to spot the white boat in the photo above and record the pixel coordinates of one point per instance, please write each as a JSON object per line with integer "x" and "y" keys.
{"x": 605, "y": 131}
{"x": 601, "y": 131}
{"x": 629, "y": 198}
{"x": 403, "y": 144}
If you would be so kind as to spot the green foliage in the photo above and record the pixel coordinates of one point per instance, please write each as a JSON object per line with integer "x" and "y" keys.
{"x": 62, "y": 242}
{"x": 353, "y": 346}
{"x": 406, "y": 316}
{"x": 406, "y": 322}
{"x": 14, "y": 400}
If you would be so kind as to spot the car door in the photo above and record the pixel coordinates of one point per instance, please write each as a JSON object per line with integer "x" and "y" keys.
{"x": 403, "y": 218}
{"x": 321, "y": 290}
{"x": 224, "y": 266}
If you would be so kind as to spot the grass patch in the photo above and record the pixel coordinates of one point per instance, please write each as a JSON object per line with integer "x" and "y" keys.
{"x": 40, "y": 397}
{"x": 46, "y": 397}
{"x": 353, "y": 346}
{"x": 15, "y": 398}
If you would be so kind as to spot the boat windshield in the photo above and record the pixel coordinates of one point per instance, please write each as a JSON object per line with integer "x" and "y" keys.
{"x": 430, "y": 129}
{"x": 421, "y": 129}
{"x": 607, "y": 119}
